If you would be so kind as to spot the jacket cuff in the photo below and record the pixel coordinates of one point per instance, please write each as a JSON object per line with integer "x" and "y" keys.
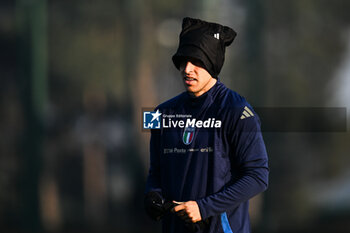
{"x": 202, "y": 209}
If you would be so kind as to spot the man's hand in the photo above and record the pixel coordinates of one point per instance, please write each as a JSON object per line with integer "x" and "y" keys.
{"x": 188, "y": 211}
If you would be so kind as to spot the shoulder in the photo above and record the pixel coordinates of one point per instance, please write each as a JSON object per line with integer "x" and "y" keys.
{"x": 231, "y": 100}
{"x": 236, "y": 109}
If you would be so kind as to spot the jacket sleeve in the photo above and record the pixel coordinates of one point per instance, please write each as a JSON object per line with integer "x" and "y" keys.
{"x": 249, "y": 158}
{"x": 153, "y": 182}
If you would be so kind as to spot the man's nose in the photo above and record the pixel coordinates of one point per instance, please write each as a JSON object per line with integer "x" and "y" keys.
{"x": 188, "y": 67}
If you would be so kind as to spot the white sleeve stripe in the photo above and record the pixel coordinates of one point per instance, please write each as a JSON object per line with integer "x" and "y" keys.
{"x": 246, "y": 114}
{"x": 251, "y": 113}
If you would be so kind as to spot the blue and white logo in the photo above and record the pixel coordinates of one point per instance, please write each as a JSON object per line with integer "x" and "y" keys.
{"x": 151, "y": 120}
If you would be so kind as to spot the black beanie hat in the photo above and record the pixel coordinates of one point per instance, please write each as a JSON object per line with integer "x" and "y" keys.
{"x": 204, "y": 41}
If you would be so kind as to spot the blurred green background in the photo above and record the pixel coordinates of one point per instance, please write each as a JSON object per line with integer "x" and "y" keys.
{"x": 76, "y": 74}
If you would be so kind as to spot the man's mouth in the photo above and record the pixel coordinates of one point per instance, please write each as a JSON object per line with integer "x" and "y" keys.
{"x": 189, "y": 80}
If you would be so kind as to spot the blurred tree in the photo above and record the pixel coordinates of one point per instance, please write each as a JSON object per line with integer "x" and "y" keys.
{"x": 31, "y": 19}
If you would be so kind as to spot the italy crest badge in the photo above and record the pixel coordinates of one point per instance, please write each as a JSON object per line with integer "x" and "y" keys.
{"x": 188, "y": 135}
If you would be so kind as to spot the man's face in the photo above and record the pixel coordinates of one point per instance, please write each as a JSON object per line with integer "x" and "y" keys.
{"x": 196, "y": 79}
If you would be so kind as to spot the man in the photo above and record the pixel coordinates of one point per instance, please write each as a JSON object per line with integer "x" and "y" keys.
{"x": 204, "y": 169}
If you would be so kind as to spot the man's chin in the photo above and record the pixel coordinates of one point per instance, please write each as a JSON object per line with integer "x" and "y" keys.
{"x": 190, "y": 90}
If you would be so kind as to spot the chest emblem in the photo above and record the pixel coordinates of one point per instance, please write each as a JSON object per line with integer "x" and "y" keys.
{"x": 188, "y": 135}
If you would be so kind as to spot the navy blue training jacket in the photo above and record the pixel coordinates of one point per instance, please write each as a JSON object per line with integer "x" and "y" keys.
{"x": 220, "y": 168}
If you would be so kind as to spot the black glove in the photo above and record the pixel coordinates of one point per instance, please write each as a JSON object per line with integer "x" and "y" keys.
{"x": 155, "y": 205}
{"x": 197, "y": 226}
